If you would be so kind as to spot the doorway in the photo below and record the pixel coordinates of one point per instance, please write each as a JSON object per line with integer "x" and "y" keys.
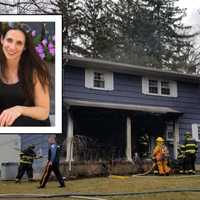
{"x": 146, "y": 127}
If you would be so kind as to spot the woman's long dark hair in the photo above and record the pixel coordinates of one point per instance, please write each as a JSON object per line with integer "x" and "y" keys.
{"x": 30, "y": 65}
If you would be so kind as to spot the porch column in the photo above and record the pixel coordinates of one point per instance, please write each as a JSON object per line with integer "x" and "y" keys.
{"x": 128, "y": 139}
{"x": 69, "y": 139}
{"x": 176, "y": 137}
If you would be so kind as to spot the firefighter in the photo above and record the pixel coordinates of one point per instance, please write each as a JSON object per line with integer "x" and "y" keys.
{"x": 160, "y": 155}
{"x": 144, "y": 143}
{"x": 181, "y": 158}
{"x": 190, "y": 153}
{"x": 25, "y": 164}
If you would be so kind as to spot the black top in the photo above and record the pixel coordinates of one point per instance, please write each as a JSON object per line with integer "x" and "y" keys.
{"x": 27, "y": 156}
{"x": 11, "y": 95}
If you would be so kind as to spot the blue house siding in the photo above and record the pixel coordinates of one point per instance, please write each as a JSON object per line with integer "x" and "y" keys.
{"x": 128, "y": 90}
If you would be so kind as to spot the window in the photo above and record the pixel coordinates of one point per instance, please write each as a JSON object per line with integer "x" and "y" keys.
{"x": 196, "y": 132}
{"x": 152, "y": 86}
{"x": 165, "y": 88}
{"x": 98, "y": 79}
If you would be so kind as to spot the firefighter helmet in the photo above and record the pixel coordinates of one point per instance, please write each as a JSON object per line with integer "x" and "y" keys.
{"x": 159, "y": 139}
{"x": 31, "y": 146}
{"x": 187, "y": 133}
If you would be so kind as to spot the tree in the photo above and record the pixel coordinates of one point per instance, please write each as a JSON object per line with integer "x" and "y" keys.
{"x": 142, "y": 32}
{"x": 189, "y": 60}
{"x": 6, "y": 6}
{"x": 36, "y": 6}
{"x": 130, "y": 23}
{"x": 96, "y": 35}
{"x": 71, "y": 11}
{"x": 151, "y": 32}
{"x": 168, "y": 37}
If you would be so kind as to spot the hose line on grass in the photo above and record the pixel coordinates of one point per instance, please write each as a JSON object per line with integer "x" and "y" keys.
{"x": 18, "y": 196}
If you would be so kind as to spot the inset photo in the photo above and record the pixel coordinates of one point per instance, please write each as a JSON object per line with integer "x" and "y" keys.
{"x": 30, "y": 74}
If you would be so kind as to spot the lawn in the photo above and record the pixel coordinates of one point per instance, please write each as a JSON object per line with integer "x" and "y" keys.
{"x": 113, "y": 185}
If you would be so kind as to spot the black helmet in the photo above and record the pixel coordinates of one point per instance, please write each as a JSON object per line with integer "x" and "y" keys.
{"x": 31, "y": 146}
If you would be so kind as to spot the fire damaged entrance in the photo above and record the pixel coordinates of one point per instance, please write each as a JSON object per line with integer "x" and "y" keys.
{"x": 100, "y": 134}
{"x": 146, "y": 128}
{"x": 99, "y": 131}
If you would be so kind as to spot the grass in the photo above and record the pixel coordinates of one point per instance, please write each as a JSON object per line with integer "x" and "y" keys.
{"x": 108, "y": 185}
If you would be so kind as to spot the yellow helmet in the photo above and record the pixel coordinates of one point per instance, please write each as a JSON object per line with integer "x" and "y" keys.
{"x": 187, "y": 134}
{"x": 159, "y": 139}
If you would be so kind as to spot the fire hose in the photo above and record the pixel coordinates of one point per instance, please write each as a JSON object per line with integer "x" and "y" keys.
{"x": 95, "y": 195}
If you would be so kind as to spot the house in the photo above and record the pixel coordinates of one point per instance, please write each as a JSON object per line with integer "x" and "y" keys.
{"x": 9, "y": 149}
{"x": 110, "y": 106}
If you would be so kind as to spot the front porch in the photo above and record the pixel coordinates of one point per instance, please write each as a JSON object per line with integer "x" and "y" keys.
{"x": 112, "y": 135}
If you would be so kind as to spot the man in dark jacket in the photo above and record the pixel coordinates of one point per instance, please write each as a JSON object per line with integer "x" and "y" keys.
{"x": 26, "y": 161}
{"x": 52, "y": 164}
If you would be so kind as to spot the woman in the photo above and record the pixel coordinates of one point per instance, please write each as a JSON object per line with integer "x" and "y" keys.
{"x": 24, "y": 81}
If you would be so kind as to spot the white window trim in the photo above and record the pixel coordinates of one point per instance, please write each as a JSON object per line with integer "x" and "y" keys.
{"x": 195, "y": 132}
{"x": 89, "y": 79}
{"x": 172, "y": 84}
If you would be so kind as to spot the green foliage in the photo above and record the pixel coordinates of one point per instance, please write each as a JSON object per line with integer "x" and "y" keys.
{"x": 96, "y": 31}
{"x": 37, "y": 39}
{"x": 70, "y": 10}
{"x": 142, "y": 32}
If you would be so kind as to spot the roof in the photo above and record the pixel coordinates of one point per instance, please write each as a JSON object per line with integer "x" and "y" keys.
{"x": 130, "y": 69}
{"x": 119, "y": 106}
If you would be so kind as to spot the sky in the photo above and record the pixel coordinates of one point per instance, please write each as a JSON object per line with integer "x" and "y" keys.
{"x": 193, "y": 16}
{"x": 193, "y": 12}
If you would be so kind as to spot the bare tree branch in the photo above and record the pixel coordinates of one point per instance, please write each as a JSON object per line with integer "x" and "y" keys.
{"x": 8, "y": 4}
{"x": 40, "y": 5}
{"x": 15, "y": 4}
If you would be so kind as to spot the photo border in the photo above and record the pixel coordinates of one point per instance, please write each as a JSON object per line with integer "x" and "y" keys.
{"x": 57, "y": 128}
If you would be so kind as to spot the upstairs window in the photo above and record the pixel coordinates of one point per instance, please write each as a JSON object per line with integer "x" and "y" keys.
{"x": 165, "y": 87}
{"x": 99, "y": 79}
{"x": 152, "y": 86}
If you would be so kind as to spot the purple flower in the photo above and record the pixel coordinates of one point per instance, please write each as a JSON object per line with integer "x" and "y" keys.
{"x": 33, "y": 33}
{"x": 42, "y": 55}
{"x": 44, "y": 42}
{"x": 51, "y": 48}
{"x": 39, "y": 48}
{"x": 52, "y": 51}
{"x": 45, "y": 47}
{"x": 50, "y": 45}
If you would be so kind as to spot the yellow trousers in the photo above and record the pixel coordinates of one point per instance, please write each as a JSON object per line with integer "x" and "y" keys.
{"x": 162, "y": 167}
